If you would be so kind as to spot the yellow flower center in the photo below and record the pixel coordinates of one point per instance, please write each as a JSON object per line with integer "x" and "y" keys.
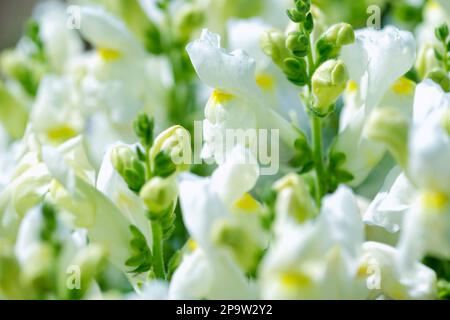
{"x": 295, "y": 279}
{"x": 247, "y": 203}
{"x": 220, "y": 97}
{"x": 61, "y": 133}
{"x": 435, "y": 200}
{"x": 192, "y": 245}
{"x": 403, "y": 86}
{"x": 108, "y": 54}
{"x": 265, "y": 81}
{"x": 352, "y": 86}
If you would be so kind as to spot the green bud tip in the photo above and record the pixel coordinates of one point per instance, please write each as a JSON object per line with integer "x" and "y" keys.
{"x": 159, "y": 194}
{"x": 298, "y": 43}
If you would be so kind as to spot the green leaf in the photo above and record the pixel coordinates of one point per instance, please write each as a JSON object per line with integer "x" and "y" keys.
{"x": 343, "y": 176}
{"x": 442, "y": 32}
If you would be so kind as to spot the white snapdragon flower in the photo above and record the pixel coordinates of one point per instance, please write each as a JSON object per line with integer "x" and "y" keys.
{"x": 376, "y": 62}
{"x": 327, "y": 259}
{"x": 223, "y": 221}
{"x": 236, "y": 102}
{"x": 56, "y": 115}
{"x": 87, "y": 207}
{"x": 318, "y": 259}
{"x": 115, "y": 80}
{"x": 417, "y": 201}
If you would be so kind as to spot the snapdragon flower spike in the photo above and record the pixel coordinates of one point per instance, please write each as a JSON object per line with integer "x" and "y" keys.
{"x": 429, "y": 149}
{"x": 384, "y": 56}
{"x": 237, "y": 101}
{"x": 416, "y": 202}
{"x": 214, "y": 209}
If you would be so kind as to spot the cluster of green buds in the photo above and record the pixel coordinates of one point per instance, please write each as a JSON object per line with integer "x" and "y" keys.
{"x": 307, "y": 63}
{"x": 440, "y": 73}
{"x": 310, "y": 60}
{"x": 150, "y": 170}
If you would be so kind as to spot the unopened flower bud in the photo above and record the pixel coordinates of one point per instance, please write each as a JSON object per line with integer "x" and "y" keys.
{"x": 295, "y": 70}
{"x": 390, "y": 127}
{"x": 295, "y": 15}
{"x": 298, "y": 43}
{"x": 176, "y": 143}
{"x": 189, "y": 19}
{"x": 126, "y": 163}
{"x": 272, "y": 43}
{"x": 328, "y": 82}
{"x": 441, "y": 78}
{"x": 309, "y": 23}
{"x": 341, "y": 33}
{"x": 330, "y": 43}
{"x": 293, "y": 199}
{"x": 303, "y": 6}
{"x": 426, "y": 60}
{"x": 159, "y": 194}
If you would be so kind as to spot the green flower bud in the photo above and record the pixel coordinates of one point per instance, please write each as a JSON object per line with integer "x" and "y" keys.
{"x": 389, "y": 126}
{"x": 295, "y": 15}
{"x": 303, "y": 6}
{"x": 143, "y": 128}
{"x": 328, "y": 82}
{"x": 127, "y": 164}
{"x": 293, "y": 199}
{"x": 341, "y": 33}
{"x": 176, "y": 143}
{"x": 309, "y": 23}
{"x": 237, "y": 240}
{"x": 295, "y": 70}
{"x": 272, "y": 43}
{"x": 441, "y": 78}
{"x": 159, "y": 194}
{"x": 331, "y": 42}
{"x": 188, "y": 20}
{"x": 298, "y": 43}
{"x": 426, "y": 60}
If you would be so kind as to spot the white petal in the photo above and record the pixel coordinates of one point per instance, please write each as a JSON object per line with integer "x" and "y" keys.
{"x": 229, "y": 72}
{"x": 236, "y": 176}
{"x": 105, "y": 31}
{"x": 418, "y": 282}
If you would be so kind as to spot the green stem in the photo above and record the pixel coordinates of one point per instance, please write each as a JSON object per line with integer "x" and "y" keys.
{"x": 157, "y": 252}
{"x": 318, "y": 157}
{"x": 148, "y": 170}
